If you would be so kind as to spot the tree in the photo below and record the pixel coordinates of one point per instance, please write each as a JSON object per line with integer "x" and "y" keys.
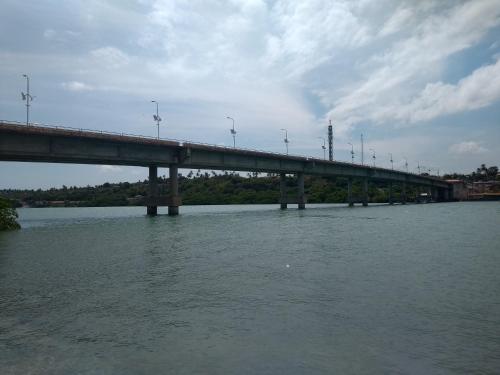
{"x": 8, "y": 216}
{"x": 492, "y": 172}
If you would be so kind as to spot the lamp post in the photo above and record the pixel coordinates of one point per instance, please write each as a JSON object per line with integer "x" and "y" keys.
{"x": 392, "y": 161}
{"x": 323, "y": 147}
{"x": 27, "y": 97}
{"x": 286, "y": 139}
{"x": 406, "y": 165}
{"x": 352, "y": 152}
{"x": 330, "y": 141}
{"x": 157, "y": 118}
{"x": 373, "y": 156}
{"x": 362, "y": 151}
{"x": 233, "y": 132}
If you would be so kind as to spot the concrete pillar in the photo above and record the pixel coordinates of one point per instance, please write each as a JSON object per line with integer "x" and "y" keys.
{"x": 283, "y": 193}
{"x": 152, "y": 208}
{"x": 173, "y": 205}
{"x": 403, "y": 193}
{"x": 350, "y": 201}
{"x": 391, "y": 198}
{"x": 365, "y": 191}
{"x": 301, "y": 199}
{"x": 447, "y": 194}
{"x": 434, "y": 194}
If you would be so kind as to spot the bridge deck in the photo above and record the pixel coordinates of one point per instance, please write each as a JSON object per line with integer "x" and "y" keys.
{"x": 65, "y": 145}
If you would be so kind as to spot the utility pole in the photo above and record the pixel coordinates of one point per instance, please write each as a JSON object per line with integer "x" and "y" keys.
{"x": 373, "y": 156}
{"x": 362, "y": 151}
{"x": 233, "y": 132}
{"x": 323, "y": 147}
{"x": 392, "y": 162}
{"x": 330, "y": 141}
{"x": 157, "y": 118}
{"x": 27, "y": 97}
{"x": 352, "y": 152}
{"x": 406, "y": 165}
{"x": 286, "y": 139}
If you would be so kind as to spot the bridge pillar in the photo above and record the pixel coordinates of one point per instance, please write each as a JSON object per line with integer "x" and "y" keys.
{"x": 365, "y": 191}
{"x": 451, "y": 195}
{"x": 349, "y": 192}
{"x": 173, "y": 205}
{"x": 283, "y": 193}
{"x": 434, "y": 194}
{"x": 301, "y": 199}
{"x": 152, "y": 208}
{"x": 391, "y": 198}
{"x": 403, "y": 193}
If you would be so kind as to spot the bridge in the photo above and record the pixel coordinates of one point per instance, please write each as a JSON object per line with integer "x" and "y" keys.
{"x": 53, "y": 144}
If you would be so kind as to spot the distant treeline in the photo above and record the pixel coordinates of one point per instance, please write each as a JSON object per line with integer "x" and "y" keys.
{"x": 483, "y": 173}
{"x": 201, "y": 188}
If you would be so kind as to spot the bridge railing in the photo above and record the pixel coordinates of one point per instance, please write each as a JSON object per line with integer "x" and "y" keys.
{"x": 184, "y": 142}
{"x": 141, "y": 136}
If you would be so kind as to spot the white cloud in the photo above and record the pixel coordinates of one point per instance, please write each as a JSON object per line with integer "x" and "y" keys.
{"x": 76, "y": 86}
{"x": 49, "y": 34}
{"x": 394, "y": 76}
{"x": 309, "y": 33}
{"x": 467, "y": 147}
{"x": 480, "y": 89}
{"x": 400, "y": 19}
{"x": 110, "y": 57}
{"x": 109, "y": 168}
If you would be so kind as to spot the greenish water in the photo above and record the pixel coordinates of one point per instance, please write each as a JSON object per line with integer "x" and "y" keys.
{"x": 253, "y": 290}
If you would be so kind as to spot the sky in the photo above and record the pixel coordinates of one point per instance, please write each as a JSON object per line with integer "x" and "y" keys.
{"x": 419, "y": 79}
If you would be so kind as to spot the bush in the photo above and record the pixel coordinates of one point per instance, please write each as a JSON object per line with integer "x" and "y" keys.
{"x": 8, "y": 216}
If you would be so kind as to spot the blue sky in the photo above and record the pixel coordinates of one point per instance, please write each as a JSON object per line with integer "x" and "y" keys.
{"x": 420, "y": 79}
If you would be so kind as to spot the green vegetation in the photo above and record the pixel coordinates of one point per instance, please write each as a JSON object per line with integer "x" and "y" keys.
{"x": 212, "y": 188}
{"x": 200, "y": 188}
{"x": 8, "y": 215}
{"x": 482, "y": 173}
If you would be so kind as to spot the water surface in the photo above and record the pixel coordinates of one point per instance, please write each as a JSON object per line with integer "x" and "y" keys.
{"x": 253, "y": 290}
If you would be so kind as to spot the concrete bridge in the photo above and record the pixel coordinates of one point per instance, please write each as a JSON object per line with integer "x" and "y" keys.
{"x": 30, "y": 143}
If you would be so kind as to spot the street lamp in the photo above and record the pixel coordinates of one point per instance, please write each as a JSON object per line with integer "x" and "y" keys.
{"x": 406, "y": 165}
{"x": 286, "y": 139}
{"x": 323, "y": 147}
{"x": 352, "y": 152}
{"x": 373, "y": 156}
{"x": 233, "y": 132}
{"x": 392, "y": 161}
{"x": 362, "y": 151}
{"x": 157, "y": 118}
{"x": 27, "y": 97}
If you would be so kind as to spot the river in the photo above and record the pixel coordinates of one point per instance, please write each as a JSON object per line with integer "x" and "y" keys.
{"x": 398, "y": 289}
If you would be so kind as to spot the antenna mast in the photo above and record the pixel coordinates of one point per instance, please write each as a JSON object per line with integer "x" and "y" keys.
{"x": 330, "y": 141}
